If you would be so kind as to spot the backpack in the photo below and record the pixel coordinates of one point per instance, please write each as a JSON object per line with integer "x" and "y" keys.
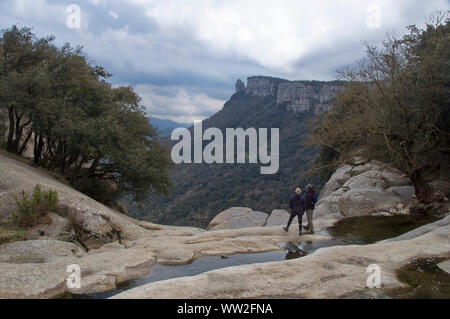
{"x": 314, "y": 198}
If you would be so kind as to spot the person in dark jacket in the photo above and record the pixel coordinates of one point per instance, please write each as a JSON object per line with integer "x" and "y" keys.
{"x": 298, "y": 206}
{"x": 311, "y": 199}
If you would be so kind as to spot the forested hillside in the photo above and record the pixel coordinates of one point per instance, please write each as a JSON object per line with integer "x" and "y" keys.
{"x": 201, "y": 191}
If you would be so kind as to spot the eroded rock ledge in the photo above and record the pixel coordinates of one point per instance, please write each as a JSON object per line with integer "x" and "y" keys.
{"x": 111, "y": 248}
{"x": 331, "y": 272}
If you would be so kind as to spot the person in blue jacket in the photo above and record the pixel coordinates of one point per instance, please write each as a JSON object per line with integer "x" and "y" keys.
{"x": 311, "y": 200}
{"x": 298, "y": 207}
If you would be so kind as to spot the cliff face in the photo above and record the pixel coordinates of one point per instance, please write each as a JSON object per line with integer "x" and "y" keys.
{"x": 263, "y": 86}
{"x": 297, "y": 96}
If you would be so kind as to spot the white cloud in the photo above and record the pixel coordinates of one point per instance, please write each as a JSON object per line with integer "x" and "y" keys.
{"x": 177, "y": 104}
{"x": 276, "y": 34}
{"x": 97, "y": 2}
{"x": 114, "y": 15}
{"x": 198, "y": 48}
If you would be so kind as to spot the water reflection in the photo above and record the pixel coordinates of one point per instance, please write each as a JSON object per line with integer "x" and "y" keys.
{"x": 351, "y": 231}
{"x": 425, "y": 279}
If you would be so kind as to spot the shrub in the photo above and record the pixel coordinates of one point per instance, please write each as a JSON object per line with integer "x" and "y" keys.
{"x": 8, "y": 235}
{"x": 31, "y": 212}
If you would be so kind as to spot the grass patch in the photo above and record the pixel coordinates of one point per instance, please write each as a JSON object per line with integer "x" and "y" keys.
{"x": 11, "y": 234}
{"x": 35, "y": 210}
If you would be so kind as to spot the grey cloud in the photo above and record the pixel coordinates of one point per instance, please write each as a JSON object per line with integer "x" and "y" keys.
{"x": 183, "y": 70}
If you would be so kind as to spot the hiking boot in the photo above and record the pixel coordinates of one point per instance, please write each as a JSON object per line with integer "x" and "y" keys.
{"x": 286, "y": 229}
{"x": 306, "y": 227}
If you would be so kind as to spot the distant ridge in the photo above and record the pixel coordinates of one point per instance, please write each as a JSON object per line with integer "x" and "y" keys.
{"x": 166, "y": 126}
{"x": 203, "y": 190}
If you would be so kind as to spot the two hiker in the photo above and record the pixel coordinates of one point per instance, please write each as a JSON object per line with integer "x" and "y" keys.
{"x": 299, "y": 204}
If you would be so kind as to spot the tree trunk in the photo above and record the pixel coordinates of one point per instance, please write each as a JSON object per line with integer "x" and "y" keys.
{"x": 423, "y": 191}
{"x": 11, "y": 128}
{"x": 38, "y": 145}
{"x": 18, "y": 133}
{"x": 93, "y": 166}
{"x": 25, "y": 142}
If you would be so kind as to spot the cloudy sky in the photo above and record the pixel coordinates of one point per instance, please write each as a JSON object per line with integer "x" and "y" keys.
{"x": 184, "y": 56}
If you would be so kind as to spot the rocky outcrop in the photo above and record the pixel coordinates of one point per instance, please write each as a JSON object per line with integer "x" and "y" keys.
{"x": 297, "y": 96}
{"x": 240, "y": 86}
{"x": 365, "y": 189}
{"x": 243, "y": 217}
{"x": 331, "y": 272}
{"x": 93, "y": 224}
{"x": 100, "y": 271}
{"x": 59, "y": 228}
{"x": 300, "y": 96}
{"x": 263, "y": 85}
{"x": 127, "y": 249}
{"x": 38, "y": 269}
{"x": 237, "y": 217}
{"x": 109, "y": 248}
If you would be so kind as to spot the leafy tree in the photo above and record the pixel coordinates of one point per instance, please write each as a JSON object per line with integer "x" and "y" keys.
{"x": 22, "y": 63}
{"x": 396, "y": 105}
{"x": 79, "y": 124}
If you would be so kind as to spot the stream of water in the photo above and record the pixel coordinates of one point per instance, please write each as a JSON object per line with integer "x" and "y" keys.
{"x": 350, "y": 231}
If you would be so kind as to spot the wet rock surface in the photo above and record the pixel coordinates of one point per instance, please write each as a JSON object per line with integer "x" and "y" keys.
{"x": 112, "y": 249}
{"x": 330, "y": 272}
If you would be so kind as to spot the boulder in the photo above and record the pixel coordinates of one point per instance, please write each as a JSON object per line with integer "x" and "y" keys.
{"x": 59, "y": 229}
{"x": 336, "y": 180}
{"x": 363, "y": 189}
{"x": 362, "y": 202}
{"x": 279, "y": 217}
{"x": 441, "y": 185}
{"x": 371, "y": 179}
{"x": 332, "y": 199}
{"x": 237, "y": 217}
{"x": 325, "y": 216}
{"x": 403, "y": 191}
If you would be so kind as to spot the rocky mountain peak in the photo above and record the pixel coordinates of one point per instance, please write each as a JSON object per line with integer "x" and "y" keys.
{"x": 240, "y": 86}
{"x": 263, "y": 85}
{"x": 297, "y": 96}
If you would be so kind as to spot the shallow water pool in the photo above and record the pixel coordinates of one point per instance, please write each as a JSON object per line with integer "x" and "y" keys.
{"x": 350, "y": 231}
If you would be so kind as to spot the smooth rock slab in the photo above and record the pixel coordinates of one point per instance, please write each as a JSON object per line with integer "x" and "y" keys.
{"x": 445, "y": 266}
{"x": 237, "y": 217}
{"x": 279, "y": 217}
{"x": 37, "y": 251}
{"x": 99, "y": 272}
{"x": 93, "y": 221}
{"x": 330, "y": 272}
